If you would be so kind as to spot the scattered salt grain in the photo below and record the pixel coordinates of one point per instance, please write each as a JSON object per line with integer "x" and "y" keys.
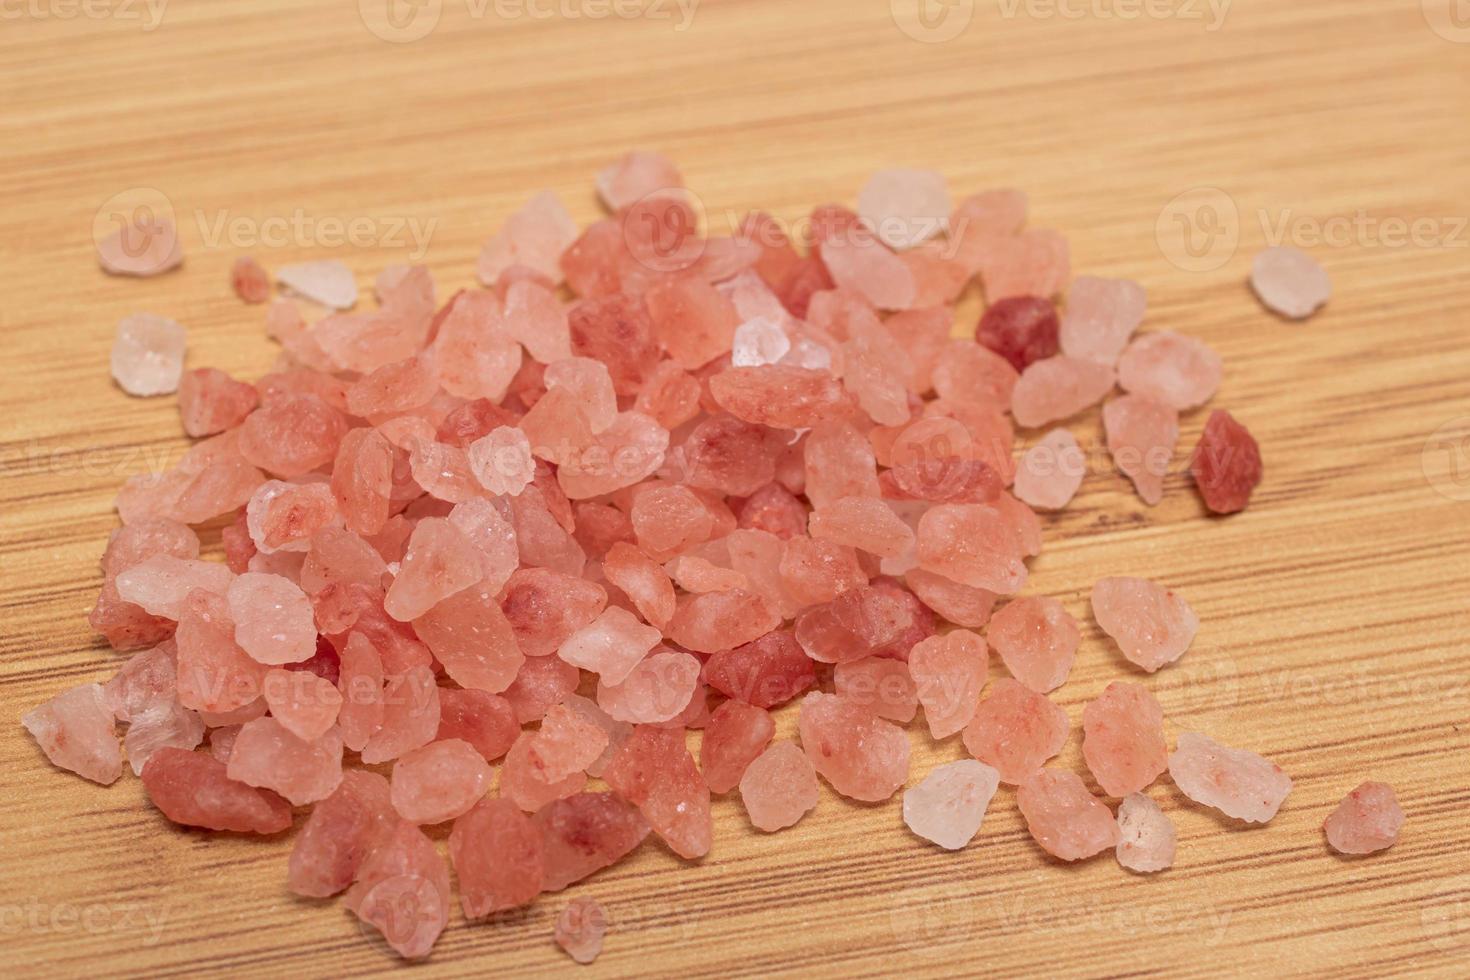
{"x": 327, "y": 282}
{"x": 1288, "y": 281}
{"x": 148, "y": 354}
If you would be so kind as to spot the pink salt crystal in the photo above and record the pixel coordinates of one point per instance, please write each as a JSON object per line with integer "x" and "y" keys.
{"x": 985, "y": 221}
{"x": 161, "y": 584}
{"x": 361, "y": 684}
{"x": 694, "y": 322}
{"x": 610, "y": 645}
{"x": 580, "y": 928}
{"x": 780, "y": 396}
{"x": 656, "y": 689}
{"x": 304, "y": 704}
{"x": 274, "y": 621}
{"x": 1236, "y": 782}
{"x": 960, "y": 604}
{"x": 1021, "y": 329}
{"x": 222, "y": 742}
{"x": 472, "y": 639}
{"x": 292, "y": 435}
{"x": 267, "y": 755}
{"x": 497, "y": 855}
{"x": 769, "y": 671}
{"x": 585, "y": 833}
{"x": 1367, "y": 820}
{"x": 816, "y": 572}
{"x": 568, "y": 742}
{"x": 881, "y": 684}
{"x": 717, "y": 620}
{"x": 779, "y": 787}
{"x": 441, "y": 560}
{"x": 283, "y": 321}
{"x": 1050, "y": 472}
{"x": 972, "y": 544}
{"x": 192, "y": 789}
{"x": 340, "y": 833}
{"x": 867, "y": 267}
{"x": 670, "y": 395}
{"x": 971, "y": 374}
{"x": 214, "y": 671}
{"x": 148, "y": 354}
{"x": 534, "y": 318}
{"x": 948, "y": 806}
{"x": 77, "y": 732}
{"x": 1101, "y": 315}
{"x": 144, "y": 679}
{"x": 737, "y": 733}
{"x": 631, "y": 449}
{"x": 1288, "y": 281}
{"x": 283, "y": 516}
{"x": 402, "y": 890}
{"x": 362, "y": 480}
{"x": 526, "y": 781}
{"x": 392, "y": 389}
{"x": 643, "y": 581}
{"x": 634, "y": 176}
{"x": 1171, "y": 369}
{"x": 758, "y": 341}
{"x": 654, "y": 771}
{"x": 533, "y": 238}
{"x": 1016, "y": 730}
{"x": 615, "y": 330}
{"x": 865, "y": 523}
{"x": 410, "y": 716}
{"x": 949, "y": 672}
{"x": 493, "y": 536}
{"x": 1226, "y": 465}
{"x": 546, "y": 607}
{"x": 439, "y": 782}
{"x": 1146, "y": 837}
{"x": 1033, "y": 263}
{"x": 249, "y": 280}
{"x": 1123, "y": 739}
{"x": 905, "y": 207}
{"x": 1151, "y": 624}
{"x": 502, "y": 461}
{"x": 143, "y": 246}
{"x": 730, "y": 456}
{"x": 163, "y": 723}
{"x": 1037, "y": 640}
{"x": 1058, "y": 388}
{"x": 839, "y": 463}
{"x": 336, "y": 556}
{"x": 590, "y": 382}
{"x": 137, "y": 542}
{"x": 860, "y": 622}
{"x": 211, "y": 401}
{"x": 327, "y": 282}
{"x": 775, "y": 510}
{"x": 472, "y": 351}
{"x": 1066, "y": 820}
{"x": 874, "y": 371}
{"x": 486, "y": 721}
{"x": 862, "y": 756}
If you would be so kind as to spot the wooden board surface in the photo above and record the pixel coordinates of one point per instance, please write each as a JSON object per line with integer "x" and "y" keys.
{"x": 1335, "y": 610}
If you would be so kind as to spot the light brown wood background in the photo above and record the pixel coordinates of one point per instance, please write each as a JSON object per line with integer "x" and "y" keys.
{"x": 1335, "y": 610}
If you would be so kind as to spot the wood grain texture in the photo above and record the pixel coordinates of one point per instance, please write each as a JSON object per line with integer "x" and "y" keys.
{"x": 1335, "y": 610}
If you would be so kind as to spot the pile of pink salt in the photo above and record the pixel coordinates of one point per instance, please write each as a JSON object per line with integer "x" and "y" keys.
{"x": 548, "y": 562}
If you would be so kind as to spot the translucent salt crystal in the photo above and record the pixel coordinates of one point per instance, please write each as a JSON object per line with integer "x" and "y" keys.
{"x": 439, "y": 782}
{"x": 267, "y": 755}
{"x": 654, "y": 771}
{"x": 534, "y": 237}
{"x": 948, "y": 806}
{"x": 472, "y": 639}
{"x": 779, "y": 787}
{"x": 1141, "y": 436}
{"x": 868, "y": 268}
{"x": 486, "y": 721}
{"x": 766, "y": 672}
{"x": 1021, "y": 329}
{"x": 528, "y": 783}
{"x": 360, "y": 682}
{"x": 881, "y": 684}
{"x": 670, "y": 395}
{"x": 214, "y": 672}
{"x": 717, "y": 620}
{"x": 985, "y": 221}
{"x": 1152, "y": 625}
{"x": 644, "y": 582}
{"x": 695, "y": 574}
{"x": 274, "y": 620}
{"x": 1100, "y": 316}
{"x": 1051, "y": 471}
{"x": 949, "y": 672}
{"x": 410, "y": 716}
{"x": 1035, "y": 262}
{"x": 569, "y": 741}
{"x": 498, "y": 858}
{"x": 473, "y": 352}
{"x": 1290, "y": 282}
{"x": 780, "y": 396}
{"x": 1146, "y": 838}
{"x": 694, "y": 322}
{"x": 1226, "y": 465}
{"x": 327, "y": 282}
{"x": 1367, "y": 820}
{"x": 611, "y": 645}
{"x": 193, "y": 789}
{"x": 284, "y": 516}
{"x": 210, "y": 401}
{"x": 404, "y": 873}
{"x": 293, "y": 435}
{"x": 736, "y": 734}
{"x": 1175, "y": 370}
{"x": 339, "y": 834}
{"x": 875, "y": 368}
{"x": 1236, "y": 782}
{"x": 546, "y": 607}
{"x": 162, "y": 724}
{"x": 972, "y": 544}
{"x": 160, "y": 584}
{"x": 440, "y": 561}
{"x": 306, "y": 705}
{"x": 144, "y": 679}
{"x": 362, "y": 480}
{"x": 1037, "y": 641}
{"x": 973, "y": 375}
{"x": 634, "y": 176}
{"x": 905, "y": 207}
{"x": 1066, "y": 820}
{"x": 579, "y": 929}
{"x": 590, "y": 383}
{"x": 838, "y": 462}
{"x": 143, "y": 246}
{"x": 1057, "y": 388}
{"x": 250, "y": 280}
{"x": 865, "y": 523}
{"x": 77, "y": 732}
{"x": 585, "y": 833}
{"x": 1123, "y": 739}
{"x": 1016, "y": 730}
{"x": 861, "y": 622}
{"x": 960, "y": 604}
{"x": 862, "y": 756}
{"x": 502, "y": 462}
{"x": 148, "y": 354}
{"x": 655, "y": 690}
{"x": 759, "y": 341}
